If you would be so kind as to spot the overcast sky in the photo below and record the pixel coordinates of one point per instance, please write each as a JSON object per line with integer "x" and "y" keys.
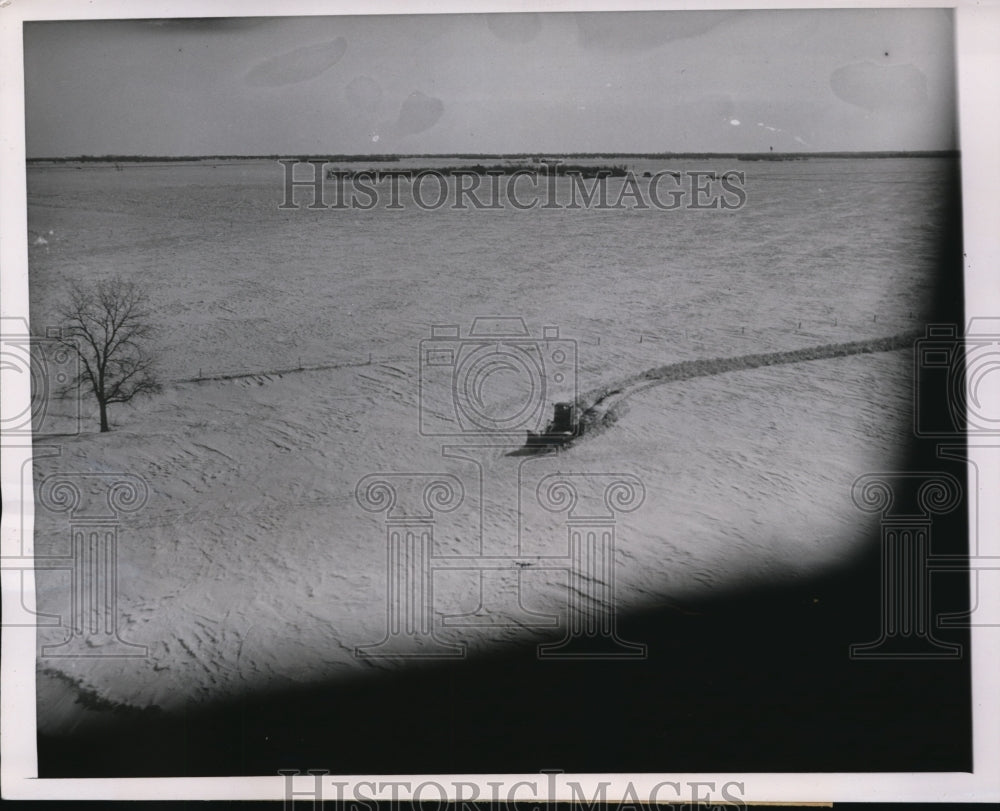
{"x": 612, "y": 82}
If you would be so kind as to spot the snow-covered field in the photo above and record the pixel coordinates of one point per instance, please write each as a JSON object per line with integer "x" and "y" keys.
{"x": 252, "y": 564}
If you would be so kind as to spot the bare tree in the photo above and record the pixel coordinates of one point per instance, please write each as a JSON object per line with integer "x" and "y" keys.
{"x": 108, "y": 325}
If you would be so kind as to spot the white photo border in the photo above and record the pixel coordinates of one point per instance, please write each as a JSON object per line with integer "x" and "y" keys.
{"x": 977, "y": 26}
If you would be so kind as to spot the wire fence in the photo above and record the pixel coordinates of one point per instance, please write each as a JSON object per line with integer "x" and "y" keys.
{"x": 211, "y": 375}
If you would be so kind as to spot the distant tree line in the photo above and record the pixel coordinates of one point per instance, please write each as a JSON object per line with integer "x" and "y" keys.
{"x": 618, "y": 170}
{"x": 520, "y": 156}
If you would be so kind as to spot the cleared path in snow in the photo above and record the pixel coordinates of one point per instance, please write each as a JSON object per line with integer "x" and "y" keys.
{"x": 602, "y": 407}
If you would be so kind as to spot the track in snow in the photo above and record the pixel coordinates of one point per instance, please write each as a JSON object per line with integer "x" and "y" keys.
{"x": 602, "y": 407}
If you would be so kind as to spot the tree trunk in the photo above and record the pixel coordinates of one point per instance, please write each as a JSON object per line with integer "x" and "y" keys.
{"x": 104, "y": 417}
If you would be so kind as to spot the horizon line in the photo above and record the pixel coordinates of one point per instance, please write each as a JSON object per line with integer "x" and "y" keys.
{"x": 499, "y": 155}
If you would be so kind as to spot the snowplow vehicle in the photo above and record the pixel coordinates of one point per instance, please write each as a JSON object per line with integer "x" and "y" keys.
{"x": 564, "y": 427}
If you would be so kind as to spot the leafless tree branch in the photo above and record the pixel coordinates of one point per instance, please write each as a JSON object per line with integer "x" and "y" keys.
{"x": 108, "y": 326}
